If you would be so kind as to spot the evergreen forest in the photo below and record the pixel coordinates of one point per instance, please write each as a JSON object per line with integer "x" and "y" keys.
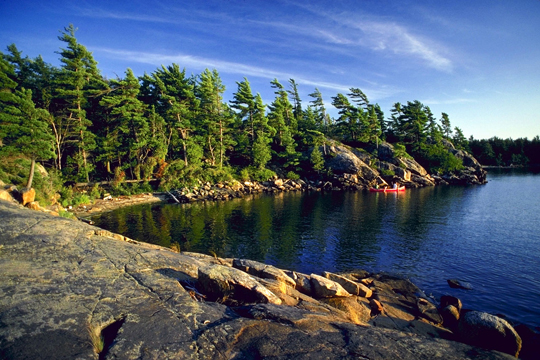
{"x": 81, "y": 127}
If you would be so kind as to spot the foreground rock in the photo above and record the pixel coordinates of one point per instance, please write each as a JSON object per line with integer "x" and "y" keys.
{"x": 482, "y": 329}
{"x": 59, "y": 278}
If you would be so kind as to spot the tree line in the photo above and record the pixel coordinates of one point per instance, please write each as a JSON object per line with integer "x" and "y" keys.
{"x": 177, "y": 127}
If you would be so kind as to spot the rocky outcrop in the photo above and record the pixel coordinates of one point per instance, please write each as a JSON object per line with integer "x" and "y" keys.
{"x": 392, "y": 167}
{"x": 62, "y": 280}
{"x": 473, "y": 173}
{"x": 344, "y": 161}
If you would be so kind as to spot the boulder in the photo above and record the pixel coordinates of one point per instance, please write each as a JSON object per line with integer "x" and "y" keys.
{"x": 222, "y": 283}
{"x": 323, "y": 287}
{"x": 386, "y": 152}
{"x": 28, "y": 195}
{"x": 352, "y": 287}
{"x": 5, "y": 195}
{"x": 457, "y": 284}
{"x": 303, "y": 282}
{"x": 376, "y": 307}
{"x": 450, "y": 300}
{"x": 489, "y": 331}
{"x": 263, "y": 271}
{"x": 34, "y": 205}
{"x": 422, "y": 180}
{"x": 530, "y": 347}
{"x": 403, "y": 174}
{"x": 236, "y": 186}
{"x": 450, "y": 315}
{"x": 411, "y": 165}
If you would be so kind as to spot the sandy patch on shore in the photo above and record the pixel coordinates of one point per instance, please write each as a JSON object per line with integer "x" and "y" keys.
{"x": 104, "y": 205}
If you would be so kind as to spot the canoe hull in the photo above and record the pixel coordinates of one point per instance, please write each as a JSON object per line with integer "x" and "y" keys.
{"x": 387, "y": 190}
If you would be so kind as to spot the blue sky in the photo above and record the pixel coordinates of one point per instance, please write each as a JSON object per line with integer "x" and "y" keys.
{"x": 478, "y": 61}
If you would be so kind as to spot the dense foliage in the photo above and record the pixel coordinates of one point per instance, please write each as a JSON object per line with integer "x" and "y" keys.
{"x": 506, "y": 152}
{"x": 177, "y": 128}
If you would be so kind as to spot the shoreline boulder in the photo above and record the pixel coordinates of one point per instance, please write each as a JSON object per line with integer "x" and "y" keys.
{"x": 222, "y": 283}
{"x": 489, "y": 331}
{"x": 323, "y": 288}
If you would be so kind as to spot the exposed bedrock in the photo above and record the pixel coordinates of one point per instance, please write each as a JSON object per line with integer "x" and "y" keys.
{"x": 62, "y": 280}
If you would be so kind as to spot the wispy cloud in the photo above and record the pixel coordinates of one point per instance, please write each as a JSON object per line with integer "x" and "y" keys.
{"x": 384, "y": 36}
{"x": 95, "y": 12}
{"x": 377, "y": 35}
{"x": 201, "y": 63}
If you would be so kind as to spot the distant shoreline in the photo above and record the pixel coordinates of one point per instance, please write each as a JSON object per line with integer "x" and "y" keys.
{"x": 510, "y": 167}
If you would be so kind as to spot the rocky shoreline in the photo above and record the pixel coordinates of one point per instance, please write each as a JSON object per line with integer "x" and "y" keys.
{"x": 62, "y": 280}
{"x": 352, "y": 170}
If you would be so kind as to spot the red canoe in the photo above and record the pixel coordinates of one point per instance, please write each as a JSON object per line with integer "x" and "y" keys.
{"x": 402, "y": 188}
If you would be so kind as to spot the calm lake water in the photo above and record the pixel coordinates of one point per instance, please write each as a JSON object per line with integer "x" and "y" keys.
{"x": 488, "y": 236}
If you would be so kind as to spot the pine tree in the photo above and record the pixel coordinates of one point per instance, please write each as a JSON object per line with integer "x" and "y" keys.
{"x": 446, "y": 126}
{"x": 348, "y": 121}
{"x": 261, "y": 151}
{"x": 244, "y": 102}
{"x": 175, "y": 101}
{"x": 214, "y": 115}
{"x": 23, "y": 128}
{"x": 78, "y": 72}
{"x": 297, "y": 104}
{"x": 316, "y": 159}
{"x": 396, "y": 113}
{"x": 322, "y": 119}
{"x": 412, "y": 123}
{"x": 460, "y": 141}
{"x": 128, "y": 125}
{"x": 281, "y": 119}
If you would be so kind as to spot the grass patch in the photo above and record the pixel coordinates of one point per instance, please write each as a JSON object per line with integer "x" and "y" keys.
{"x": 96, "y": 338}
{"x": 175, "y": 247}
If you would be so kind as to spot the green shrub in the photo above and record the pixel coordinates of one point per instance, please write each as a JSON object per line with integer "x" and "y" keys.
{"x": 262, "y": 174}
{"x": 437, "y": 159}
{"x": 244, "y": 175}
{"x": 292, "y": 175}
{"x": 96, "y": 192}
{"x": 66, "y": 214}
{"x": 400, "y": 151}
{"x": 145, "y": 187}
{"x": 387, "y": 172}
{"x": 66, "y": 196}
{"x": 216, "y": 175}
{"x": 81, "y": 199}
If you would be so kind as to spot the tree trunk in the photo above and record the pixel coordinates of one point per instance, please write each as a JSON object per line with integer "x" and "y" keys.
{"x": 31, "y": 175}
{"x": 220, "y": 143}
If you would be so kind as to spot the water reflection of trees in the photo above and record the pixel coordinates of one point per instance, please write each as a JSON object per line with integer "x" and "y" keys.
{"x": 419, "y": 216}
{"x": 334, "y": 231}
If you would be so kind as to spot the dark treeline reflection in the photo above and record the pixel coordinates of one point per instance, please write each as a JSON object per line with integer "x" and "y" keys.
{"x": 304, "y": 232}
